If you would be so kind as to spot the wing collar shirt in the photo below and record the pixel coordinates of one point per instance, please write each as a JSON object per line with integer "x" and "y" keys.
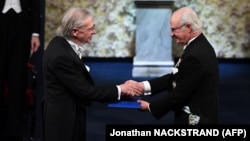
{"x": 79, "y": 50}
{"x": 14, "y": 4}
{"x": 189, "y": 42}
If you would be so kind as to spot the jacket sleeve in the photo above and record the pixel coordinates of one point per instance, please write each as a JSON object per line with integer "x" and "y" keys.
{"x": 161, "y": 84}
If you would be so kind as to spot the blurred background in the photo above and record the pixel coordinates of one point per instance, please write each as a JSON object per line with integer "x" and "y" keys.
{"x": 226, "y": 24}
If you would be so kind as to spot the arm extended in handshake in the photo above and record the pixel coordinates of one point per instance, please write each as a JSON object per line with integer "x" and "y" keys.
{"x": 134, "y": 88}
{"x": 131, "y": 88}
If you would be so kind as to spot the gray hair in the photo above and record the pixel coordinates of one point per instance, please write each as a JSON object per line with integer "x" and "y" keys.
{"x": 190, "y": 17}
{"x": 73, "y": 18}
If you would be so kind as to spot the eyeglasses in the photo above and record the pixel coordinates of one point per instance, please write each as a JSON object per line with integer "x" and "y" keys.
{"x": 175, "y": 29}
{"x": 91, "y": 28}
{"x": 88, "y": 29}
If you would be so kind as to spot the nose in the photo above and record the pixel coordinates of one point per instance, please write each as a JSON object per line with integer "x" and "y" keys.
{"x": 93, "y": 32}
{"x": 172, "y": 34}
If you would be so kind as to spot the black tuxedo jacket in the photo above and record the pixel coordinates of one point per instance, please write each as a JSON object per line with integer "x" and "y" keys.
{"x": 68, "y": 90}
{"x": 197, "y": 85}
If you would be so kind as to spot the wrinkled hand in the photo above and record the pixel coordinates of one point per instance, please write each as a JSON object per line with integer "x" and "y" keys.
{"x": 132, "y": 88}
{"x": 144, "y": 105}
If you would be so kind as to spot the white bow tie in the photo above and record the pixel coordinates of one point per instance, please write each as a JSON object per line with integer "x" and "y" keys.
{"x": 80, "y": 51}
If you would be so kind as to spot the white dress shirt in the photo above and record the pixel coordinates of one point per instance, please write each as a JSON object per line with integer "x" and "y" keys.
{"x": 14, "y": 4}
{"x": 78, "y": 50}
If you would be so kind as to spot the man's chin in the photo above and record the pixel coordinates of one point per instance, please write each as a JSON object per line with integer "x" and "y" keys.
{"x": 177, "y": 41}
{"x": 89, "y": 41}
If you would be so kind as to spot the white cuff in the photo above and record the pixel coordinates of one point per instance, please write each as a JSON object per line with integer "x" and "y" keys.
{"x": 119, "y": 92}
{"x": 149, "y": 108}
{"x": 147, "y": 88}
{"x": 35, "y": 34}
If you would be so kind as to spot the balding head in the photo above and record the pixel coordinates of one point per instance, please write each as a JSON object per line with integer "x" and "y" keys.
{"x": 187, "y": 15}
{"x": 185, "y": 25}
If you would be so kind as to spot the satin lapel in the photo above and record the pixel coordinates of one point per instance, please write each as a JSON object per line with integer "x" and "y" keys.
{"x": 79, "y": 62}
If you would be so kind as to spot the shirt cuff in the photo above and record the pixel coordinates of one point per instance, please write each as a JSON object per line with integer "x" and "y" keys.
{"x": 119, "y": 92}
{"x": 35, "y": 34}
{"x": 147, "y": 88}
{"x": 149, "y": 108}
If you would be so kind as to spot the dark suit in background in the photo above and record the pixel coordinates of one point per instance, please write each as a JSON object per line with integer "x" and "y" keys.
{"x": 15, "y": 45}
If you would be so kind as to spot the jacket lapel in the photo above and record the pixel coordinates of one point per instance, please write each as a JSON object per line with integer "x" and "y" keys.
{"x": 78, "y": 61}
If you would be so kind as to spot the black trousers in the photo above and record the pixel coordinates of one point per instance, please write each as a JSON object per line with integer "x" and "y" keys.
{"x": 15, "y": 44}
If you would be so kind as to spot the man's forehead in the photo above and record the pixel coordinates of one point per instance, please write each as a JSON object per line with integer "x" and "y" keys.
{"x": 174, "y": 21}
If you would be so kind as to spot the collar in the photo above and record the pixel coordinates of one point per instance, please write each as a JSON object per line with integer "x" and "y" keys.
{"x": 189, "y": 42}
{"x": 79, "y": 50}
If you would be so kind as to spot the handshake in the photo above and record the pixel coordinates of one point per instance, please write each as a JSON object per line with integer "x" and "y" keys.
{"x": 132, "y": 88}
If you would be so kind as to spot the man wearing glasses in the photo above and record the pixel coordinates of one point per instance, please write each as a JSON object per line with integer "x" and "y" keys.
{"x": 193, "y": 85}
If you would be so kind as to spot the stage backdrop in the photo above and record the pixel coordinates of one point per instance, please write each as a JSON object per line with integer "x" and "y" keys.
{"x": 226, "y": 24}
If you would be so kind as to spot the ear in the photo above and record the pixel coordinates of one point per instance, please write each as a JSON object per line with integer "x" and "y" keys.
{"x": 190, "y": 29}
{"x": 74, "y": 32}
